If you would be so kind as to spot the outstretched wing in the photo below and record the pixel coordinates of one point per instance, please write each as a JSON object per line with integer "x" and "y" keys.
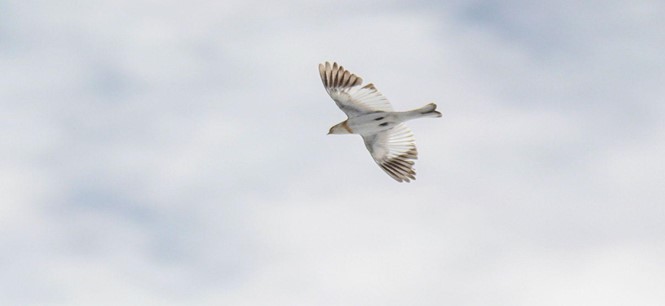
{"x": 394, "y": 151}
{"x": 344, "y": 87}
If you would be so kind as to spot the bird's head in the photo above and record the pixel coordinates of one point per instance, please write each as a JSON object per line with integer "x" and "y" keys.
{"x": 340, "y": 128}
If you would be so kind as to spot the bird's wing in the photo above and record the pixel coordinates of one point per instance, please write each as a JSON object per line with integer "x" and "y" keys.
{"x": 393, "y": 150}
{"x": 344, "y": 87}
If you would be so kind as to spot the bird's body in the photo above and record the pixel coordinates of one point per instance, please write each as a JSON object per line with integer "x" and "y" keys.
{"x": 372, "y": 123}
{"x": 371, "y": 116}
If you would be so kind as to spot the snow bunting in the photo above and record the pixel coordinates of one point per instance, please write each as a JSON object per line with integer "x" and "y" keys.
{"x": 370, "y": 115}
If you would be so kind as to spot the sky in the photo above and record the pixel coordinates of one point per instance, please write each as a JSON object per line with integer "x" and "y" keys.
{"x": 172, "y": 153}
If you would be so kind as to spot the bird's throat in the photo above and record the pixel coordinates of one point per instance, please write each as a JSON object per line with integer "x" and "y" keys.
{"x": 345, "y": 125}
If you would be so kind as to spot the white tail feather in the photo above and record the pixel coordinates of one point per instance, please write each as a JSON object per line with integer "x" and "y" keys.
{"x": 428, "y": 110}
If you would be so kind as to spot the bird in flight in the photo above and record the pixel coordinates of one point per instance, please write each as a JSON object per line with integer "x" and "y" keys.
{"x": 388, "y": 139}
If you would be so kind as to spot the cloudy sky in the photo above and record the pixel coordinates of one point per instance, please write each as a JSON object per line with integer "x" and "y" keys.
{"x": 175, "y": 153}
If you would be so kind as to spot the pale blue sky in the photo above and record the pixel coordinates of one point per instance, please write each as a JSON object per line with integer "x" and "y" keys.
{"x": 173, "y": 153}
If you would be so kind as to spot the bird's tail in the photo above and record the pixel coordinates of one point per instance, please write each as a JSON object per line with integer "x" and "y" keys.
{"x": 428, "y": 110}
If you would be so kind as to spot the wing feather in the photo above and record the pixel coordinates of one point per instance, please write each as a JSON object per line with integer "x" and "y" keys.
{"x": 343, "y": 88}
{"x": 394, "y": 151}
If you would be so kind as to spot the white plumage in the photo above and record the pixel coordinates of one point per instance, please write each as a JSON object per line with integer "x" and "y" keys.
{"x": 371, "y": 116}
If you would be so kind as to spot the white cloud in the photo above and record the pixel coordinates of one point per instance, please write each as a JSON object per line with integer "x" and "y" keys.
{"x": 167, "y": 154}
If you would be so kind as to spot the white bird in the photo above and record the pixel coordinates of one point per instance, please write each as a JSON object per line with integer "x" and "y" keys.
{"x": 371, "y": 116}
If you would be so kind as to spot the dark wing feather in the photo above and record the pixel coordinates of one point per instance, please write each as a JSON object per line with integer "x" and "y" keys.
{"x": 394, "y": 151}
{"x": 344, "y": 88}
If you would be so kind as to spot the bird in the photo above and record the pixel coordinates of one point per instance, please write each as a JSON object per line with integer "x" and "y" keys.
{"x": 390, "y": 142}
